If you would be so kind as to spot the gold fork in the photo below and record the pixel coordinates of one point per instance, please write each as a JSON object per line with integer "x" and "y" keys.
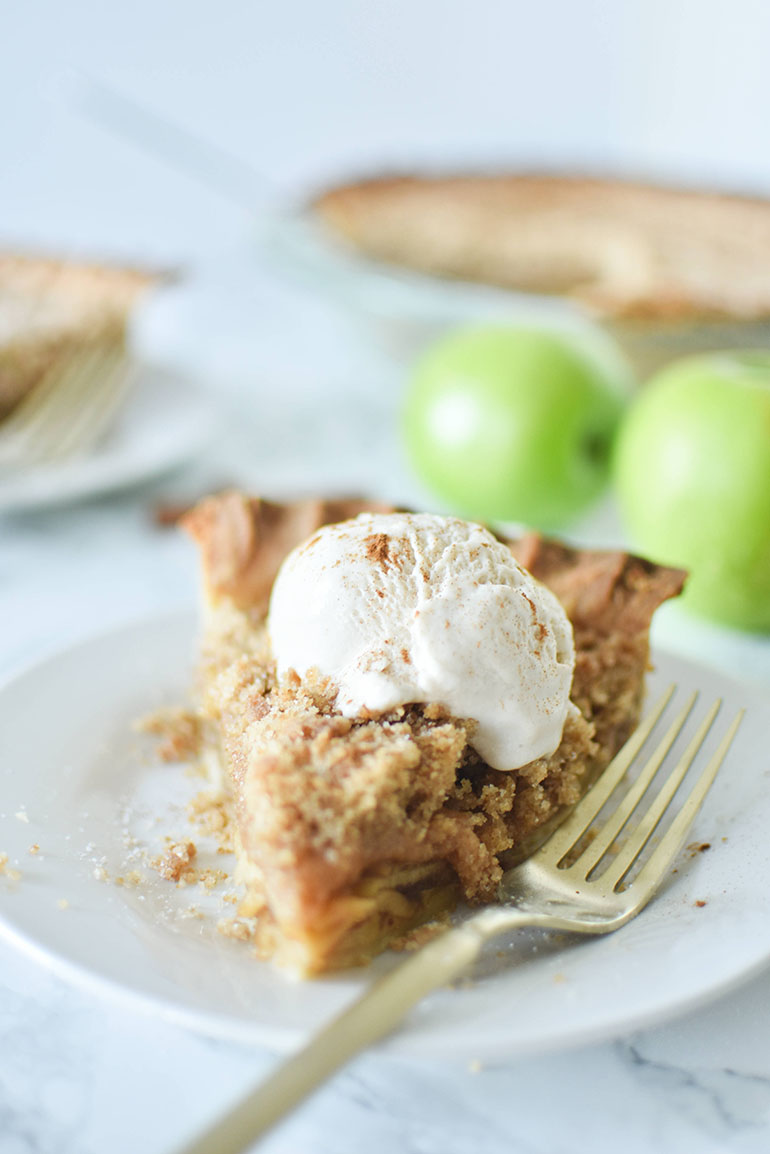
{"x": 559, "y": 887}
{"x": 70, "y": 406}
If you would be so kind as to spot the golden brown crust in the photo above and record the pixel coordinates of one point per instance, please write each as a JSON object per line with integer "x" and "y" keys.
{"x": 243, "y": 540}
{"x": 624, "y": 250}
{"x": 603, "y": 591}
{"x": 610, "y": 598}
{"x": 326, "y": 805}
{"x": 50, "y": 307}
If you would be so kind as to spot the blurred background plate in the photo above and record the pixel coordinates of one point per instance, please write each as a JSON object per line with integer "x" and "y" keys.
{"x": 164, "y": 422}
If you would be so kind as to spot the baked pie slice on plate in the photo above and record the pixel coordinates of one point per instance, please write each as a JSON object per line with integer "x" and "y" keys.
{"x": 399, "y": 704}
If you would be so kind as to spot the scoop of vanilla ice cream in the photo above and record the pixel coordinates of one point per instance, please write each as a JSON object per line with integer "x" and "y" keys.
{"x": 399, "y": 608}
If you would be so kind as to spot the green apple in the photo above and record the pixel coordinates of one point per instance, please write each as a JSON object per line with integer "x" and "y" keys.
{"x": 692, "y": 467}
{"x": 515, "y": 423}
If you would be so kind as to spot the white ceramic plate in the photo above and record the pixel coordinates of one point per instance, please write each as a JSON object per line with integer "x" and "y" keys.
{"x": 79, "y": 782}
{"x": 165, "y": 421}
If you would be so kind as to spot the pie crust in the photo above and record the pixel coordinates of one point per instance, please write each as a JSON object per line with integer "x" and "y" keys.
{"x": 351, "y": 833}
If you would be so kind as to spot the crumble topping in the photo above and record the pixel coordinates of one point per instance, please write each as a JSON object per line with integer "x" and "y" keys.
{"x": 130, "y": 880}
{"x": 178, "y": 730}
{"x": 239, "y": 929}
{"x": 176, "y": 862}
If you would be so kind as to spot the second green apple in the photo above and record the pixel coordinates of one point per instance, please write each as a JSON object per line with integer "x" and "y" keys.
{"x": 514, "y": 423}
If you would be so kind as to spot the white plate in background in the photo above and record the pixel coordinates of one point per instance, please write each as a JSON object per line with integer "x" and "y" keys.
{"x": 165, "y": 421}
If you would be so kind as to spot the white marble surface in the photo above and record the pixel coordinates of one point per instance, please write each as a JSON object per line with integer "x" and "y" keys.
{"x": 80, "y": 1076}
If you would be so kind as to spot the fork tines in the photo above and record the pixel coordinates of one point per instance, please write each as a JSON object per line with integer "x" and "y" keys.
{"x": 69, "y": 407}
{"x": 570, "y": 845}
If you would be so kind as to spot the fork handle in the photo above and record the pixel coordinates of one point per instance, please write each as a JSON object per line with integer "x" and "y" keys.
{"x": 373, "y": 1015}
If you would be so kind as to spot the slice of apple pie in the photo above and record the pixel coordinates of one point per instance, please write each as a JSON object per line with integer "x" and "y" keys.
{"x": 398, "y": 707}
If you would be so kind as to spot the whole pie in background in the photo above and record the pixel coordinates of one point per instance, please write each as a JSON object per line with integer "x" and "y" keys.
{"x": 666, "y": 269}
